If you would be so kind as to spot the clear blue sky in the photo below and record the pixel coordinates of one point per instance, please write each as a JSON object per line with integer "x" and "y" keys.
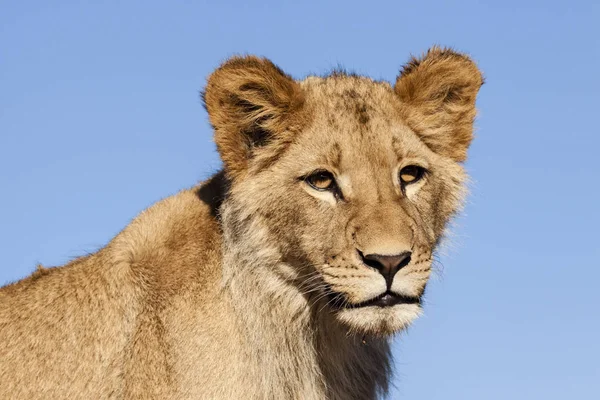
{"x": 100, "y": 117}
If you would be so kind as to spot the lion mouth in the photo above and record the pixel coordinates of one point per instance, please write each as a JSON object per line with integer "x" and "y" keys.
{"x": 385, "y": 299}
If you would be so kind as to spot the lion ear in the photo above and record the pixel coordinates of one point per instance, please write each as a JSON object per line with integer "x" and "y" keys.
{"x": 251, "y": 103}
{"x": 439, "y": 91}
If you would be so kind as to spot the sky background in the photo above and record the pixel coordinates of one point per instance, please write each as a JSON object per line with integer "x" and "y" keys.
{"x": 100, "y": 117}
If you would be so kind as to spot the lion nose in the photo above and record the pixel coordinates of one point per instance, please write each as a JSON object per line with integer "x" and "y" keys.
{"x": 387, "y": 265}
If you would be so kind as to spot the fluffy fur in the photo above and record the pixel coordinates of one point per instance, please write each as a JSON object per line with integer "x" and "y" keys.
{"x": 252, "y": 285}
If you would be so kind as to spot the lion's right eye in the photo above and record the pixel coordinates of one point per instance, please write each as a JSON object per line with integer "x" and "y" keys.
{"x": 321, "y": 180}
{"x": 411, "y": 174}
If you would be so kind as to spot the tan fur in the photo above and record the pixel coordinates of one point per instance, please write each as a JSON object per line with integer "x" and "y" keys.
{"x": 439, "y": 90}
{"x": 247, "y": 285}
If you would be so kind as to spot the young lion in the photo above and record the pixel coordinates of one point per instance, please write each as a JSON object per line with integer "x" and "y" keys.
{"x": 283, "y": 276}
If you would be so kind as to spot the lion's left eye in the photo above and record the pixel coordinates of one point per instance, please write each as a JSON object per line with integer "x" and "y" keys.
{"x": 411, "y": 174}
{"x": 321, "y": 180}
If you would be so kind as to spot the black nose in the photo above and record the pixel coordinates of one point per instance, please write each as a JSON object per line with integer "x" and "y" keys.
{"x": 387, "y": 265}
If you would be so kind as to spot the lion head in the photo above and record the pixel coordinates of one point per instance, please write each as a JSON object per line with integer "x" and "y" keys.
{"x": 351, "y": 181}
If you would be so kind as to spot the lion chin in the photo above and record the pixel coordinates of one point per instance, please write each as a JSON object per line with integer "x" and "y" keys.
{"x": 379, "y": 321}
{"x": 383, "y": 315}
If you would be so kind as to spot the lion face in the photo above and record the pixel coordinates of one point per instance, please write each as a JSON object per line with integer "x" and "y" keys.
{"x": 354, "y": 180}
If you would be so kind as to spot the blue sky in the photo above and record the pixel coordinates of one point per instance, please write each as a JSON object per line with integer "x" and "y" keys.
{"x": 100, "y": 117}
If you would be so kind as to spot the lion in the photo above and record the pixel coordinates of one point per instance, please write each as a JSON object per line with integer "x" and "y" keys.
{"x": 283, "y": 276}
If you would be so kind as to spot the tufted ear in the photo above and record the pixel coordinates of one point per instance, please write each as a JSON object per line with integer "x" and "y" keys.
{"x": 439, "y": 91}
{"x": 253, "y": 106}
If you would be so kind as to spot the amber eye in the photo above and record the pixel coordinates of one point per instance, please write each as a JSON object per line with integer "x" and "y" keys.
{"x": 411, "y": 174}
{"x": 321, "y": 180}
